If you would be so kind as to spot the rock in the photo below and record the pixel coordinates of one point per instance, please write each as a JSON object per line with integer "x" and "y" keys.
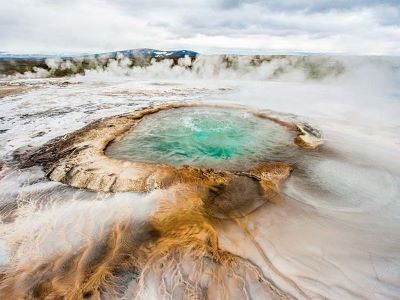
{"x": 308, "y": 138}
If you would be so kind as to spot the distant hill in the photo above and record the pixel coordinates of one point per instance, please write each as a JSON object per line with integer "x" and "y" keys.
{"x": 145, "y": 52}
{"x": 132, "y": 53}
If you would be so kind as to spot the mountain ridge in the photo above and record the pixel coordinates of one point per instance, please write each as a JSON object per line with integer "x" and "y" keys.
{"x": 140, "y": 52}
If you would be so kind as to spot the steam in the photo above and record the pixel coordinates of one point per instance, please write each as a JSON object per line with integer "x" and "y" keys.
{"x": 202, "y": 67}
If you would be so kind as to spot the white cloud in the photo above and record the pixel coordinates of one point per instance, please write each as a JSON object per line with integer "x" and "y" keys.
{"x": 353, "y": 27}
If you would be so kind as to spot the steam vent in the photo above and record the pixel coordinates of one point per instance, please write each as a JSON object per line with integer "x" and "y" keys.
{"x": 212, "y": 164}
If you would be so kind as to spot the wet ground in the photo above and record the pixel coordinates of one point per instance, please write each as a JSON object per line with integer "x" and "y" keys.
{"x": 333, "y": 233}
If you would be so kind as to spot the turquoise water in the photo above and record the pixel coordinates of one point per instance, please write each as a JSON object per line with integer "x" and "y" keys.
{"x": 204, "y": 137}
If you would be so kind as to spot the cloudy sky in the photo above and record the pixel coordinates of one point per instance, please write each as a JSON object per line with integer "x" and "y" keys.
{"x": 219, "y": 26}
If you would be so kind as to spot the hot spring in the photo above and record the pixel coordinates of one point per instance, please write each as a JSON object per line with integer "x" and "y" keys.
{"x": 207, "y": 137}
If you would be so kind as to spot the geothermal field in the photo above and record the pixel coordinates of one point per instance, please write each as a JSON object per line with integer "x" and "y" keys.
{"x": 173, "y": 175}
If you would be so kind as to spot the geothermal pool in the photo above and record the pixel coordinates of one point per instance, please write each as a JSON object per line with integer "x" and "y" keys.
{"x": 205, "y": 137}
{"x": 331, "y": 232}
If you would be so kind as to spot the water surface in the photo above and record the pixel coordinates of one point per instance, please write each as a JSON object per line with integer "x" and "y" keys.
{"x": 204, "y": 137}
